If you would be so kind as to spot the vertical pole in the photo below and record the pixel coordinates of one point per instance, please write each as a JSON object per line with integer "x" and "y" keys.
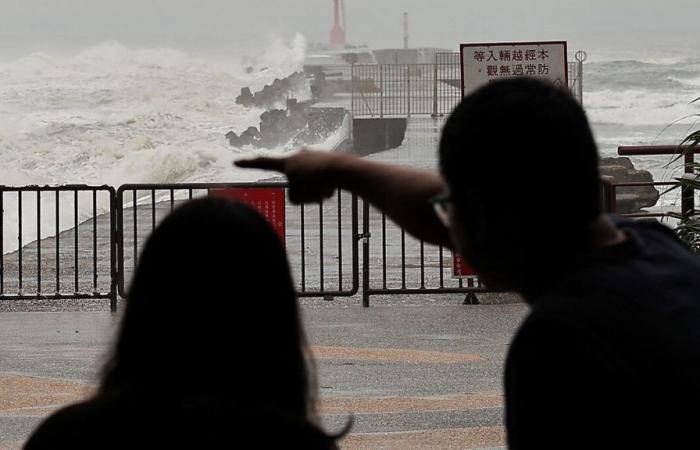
{"x": 609, "y": 194}
{"x": 365, "y": 254}
{"x": 2, "y": 242}
{"x": 435, "y": 87}
{"x": 688, "y": 193}
{"x": 320, "y": 246}
{"x": 340, "y": 242}
{"x": 408, "y": 89}
{"x": 303, "y": 249}
{"x": 352, "y": 89}
{"x": 405, "y": 30}
{"x": 114, "y": 239}
{"x": 19, "y": 237}
{"x": 38, "y": 242}
{"x": 381, "y": 91}
{"x": 579, "y": 78}
{"x": 355, "y": 252}
{"x": 58, "y": 245}
{"x": 76, "y": 274}
{"x": 94, "y": 241}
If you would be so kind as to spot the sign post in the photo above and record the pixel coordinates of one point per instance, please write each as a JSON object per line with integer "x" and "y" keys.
{"x": 484, "y": 63}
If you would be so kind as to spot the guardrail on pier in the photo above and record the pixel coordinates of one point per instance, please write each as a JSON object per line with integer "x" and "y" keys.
{"x": 405, "y": 90}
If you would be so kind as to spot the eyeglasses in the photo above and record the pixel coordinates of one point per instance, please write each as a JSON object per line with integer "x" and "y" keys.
{"x": 441, "y": 204}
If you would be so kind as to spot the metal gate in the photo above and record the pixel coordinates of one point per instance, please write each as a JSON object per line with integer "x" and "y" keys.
{"x": 58, "y": 242}
{"x": 321, "y": 239}
{"x": 386, "y": 90}
{"x": 399, "y": 264}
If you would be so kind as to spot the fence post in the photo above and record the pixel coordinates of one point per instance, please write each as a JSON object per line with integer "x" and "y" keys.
{"x": 688, "y": 193}
{"x": 581, "y": 57}
{"x": 435, "y": 87}
{"x": 381, "y": 90}
{"x": 352, "y": 88}
{"x": 579, "y": 77}
{"x": 365, "y": 254}
{"x": 609, "y": 194}
{"x": 408, "y": 90}
{"x": 114, "y": 250}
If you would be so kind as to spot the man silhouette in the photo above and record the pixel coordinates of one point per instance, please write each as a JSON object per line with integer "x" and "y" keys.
{"x": 609, "y": 355}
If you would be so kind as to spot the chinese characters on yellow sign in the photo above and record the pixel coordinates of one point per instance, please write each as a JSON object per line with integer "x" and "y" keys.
{"x": 483, "y": 63}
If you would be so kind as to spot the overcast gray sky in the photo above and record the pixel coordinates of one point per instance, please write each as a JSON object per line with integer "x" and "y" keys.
{"x": 375, "y": 22}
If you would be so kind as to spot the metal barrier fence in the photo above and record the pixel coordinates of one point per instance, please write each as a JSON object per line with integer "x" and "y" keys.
{"x": 448, "y": 85}
{"x": 684, "y": 154}
{"x": 393, "y": 90}
{"x": 58, "y": 242}
{"x": 575, "y": 76}
{"x": 400, "y": 264}
{"x": 83, "y": 242}
{"x": 380, "y": 90}
{"x": 321, "y": 239}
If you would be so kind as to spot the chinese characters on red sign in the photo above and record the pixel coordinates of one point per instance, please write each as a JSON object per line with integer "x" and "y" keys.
{"x": 269, "y": 202}
{"x": 460, "y": 267}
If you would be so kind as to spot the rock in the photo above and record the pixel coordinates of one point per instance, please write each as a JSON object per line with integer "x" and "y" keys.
{"x": 246, "y": 98}
{"x": 630, "y": 199}
{"x": 319, "y": 87}
{"x": 272, "y": 94}
{"x": 233, "y": 139}
{"x": 298, "y": 118}
{"x": 273, "y": 121}
{"x": 251, "y": 133}
{"x": 248, "y": 137}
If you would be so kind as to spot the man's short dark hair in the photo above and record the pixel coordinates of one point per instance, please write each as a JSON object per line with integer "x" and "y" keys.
{"x": 526, "y": 139}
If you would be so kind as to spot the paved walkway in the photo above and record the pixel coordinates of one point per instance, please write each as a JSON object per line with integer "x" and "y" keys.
{"x": 414, "y": 377}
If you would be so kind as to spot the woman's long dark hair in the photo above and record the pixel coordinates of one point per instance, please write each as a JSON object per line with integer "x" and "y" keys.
{"x": 212, "y": 313}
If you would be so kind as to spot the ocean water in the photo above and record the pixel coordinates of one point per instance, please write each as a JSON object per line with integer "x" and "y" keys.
{"x": 638, "y": 89}
{"x": 115, "y": 113}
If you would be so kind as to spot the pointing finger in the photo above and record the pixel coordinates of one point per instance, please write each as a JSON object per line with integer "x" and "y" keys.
{"x": 262, "y": 162}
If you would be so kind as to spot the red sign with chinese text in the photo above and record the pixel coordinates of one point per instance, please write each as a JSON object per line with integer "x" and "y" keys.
{"x": 460, "y": 267}
{"x": 270, "y": 202}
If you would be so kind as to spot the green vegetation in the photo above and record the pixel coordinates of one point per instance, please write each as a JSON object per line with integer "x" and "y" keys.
{"x": 688, "y": 228}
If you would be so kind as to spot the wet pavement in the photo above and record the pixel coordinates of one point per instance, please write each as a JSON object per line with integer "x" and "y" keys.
{"x": 414, "y": 376}
{"x": 415, "y": 372}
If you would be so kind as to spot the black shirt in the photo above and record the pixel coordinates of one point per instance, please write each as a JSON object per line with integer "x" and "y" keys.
{"x": 609, "y": 356}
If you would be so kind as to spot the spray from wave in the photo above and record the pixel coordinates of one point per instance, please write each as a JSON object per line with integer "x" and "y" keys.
{"x": 114, "y": 115}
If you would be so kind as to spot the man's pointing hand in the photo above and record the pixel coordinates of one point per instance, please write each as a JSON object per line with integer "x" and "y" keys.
{"x": 309, "y": 173}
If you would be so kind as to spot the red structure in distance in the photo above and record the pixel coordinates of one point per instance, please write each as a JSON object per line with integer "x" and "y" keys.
{"x": 337, "y": 32}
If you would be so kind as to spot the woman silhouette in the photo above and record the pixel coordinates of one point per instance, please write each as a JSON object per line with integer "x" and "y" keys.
{"x": 211, "y": 351}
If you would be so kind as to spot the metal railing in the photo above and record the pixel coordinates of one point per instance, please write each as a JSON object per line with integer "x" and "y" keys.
{"x": 321, "y": 239}
{"x": 381, "y": 90}
{"x": 58, "y": 242}
{"x": 393, "y": 90}
{"x": 688, "y": 200}
{"x": 83, "y": 242}
{"x": 400, "y": 264}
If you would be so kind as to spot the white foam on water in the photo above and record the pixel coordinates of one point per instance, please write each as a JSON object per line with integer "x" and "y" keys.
{"x": 639, "y": 107}
{"x": 114, "y": 115}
